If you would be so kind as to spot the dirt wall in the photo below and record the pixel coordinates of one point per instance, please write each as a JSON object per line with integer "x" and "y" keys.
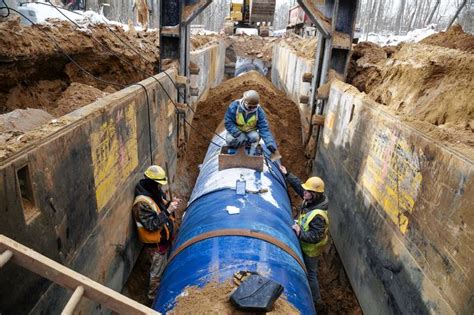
{"x": 427, "y": 85}
{"x": 402, "y": 208}
{"x": 35, "y": 74}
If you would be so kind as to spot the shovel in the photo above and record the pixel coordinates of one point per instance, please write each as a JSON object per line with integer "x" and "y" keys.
{"x": 275, "y": 156}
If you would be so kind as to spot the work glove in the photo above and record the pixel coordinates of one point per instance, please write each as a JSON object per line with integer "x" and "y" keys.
{"x": 241, "y": 139}
{"x": 271, "y": 148}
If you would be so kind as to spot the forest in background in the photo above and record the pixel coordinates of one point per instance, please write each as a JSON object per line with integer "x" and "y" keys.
{"x": 378, "y": 16}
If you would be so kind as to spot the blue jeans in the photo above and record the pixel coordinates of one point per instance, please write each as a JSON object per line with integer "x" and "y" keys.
{"x": 311, "y": 264}
{"x": 251, "y": 137}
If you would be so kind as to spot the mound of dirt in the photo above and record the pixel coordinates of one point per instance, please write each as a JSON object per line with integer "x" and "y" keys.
{"x": 201, "y": 41}
{"x": 34, "y": 72}
{"x": 364, "y": 64}
{"x": 282, "y": 114}
{"x": 76, "y": 96}
{"x": 429, "y": 86}
{"x": 42, "y": 94}
{"x": 454, "y": 38}
{"x": 252, "y": 46}
{"x": 213, "y": 298}
{"x": 303, "y": 47}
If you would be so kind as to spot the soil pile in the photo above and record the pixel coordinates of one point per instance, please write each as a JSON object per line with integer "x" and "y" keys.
{"x": 364, "y": 64}
{"x": 303, "y": 47}
{"x": 201, "y": 41}
{"x": 76, "y": 96}
{"x": 282, "y": 114}
{"x": 35, "y": 73}
{"x": 214, "y": 299}
{"x": 431, "y": 87}
{"x": 252, "y": 46}
{"x": 454, "y": 37}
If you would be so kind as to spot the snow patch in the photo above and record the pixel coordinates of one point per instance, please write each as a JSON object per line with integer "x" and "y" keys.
{"x": 411, "y": 37}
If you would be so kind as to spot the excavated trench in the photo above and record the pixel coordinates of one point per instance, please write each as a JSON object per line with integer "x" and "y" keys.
{"x": 283, "y": 116}
{"x": 34, "y": 73}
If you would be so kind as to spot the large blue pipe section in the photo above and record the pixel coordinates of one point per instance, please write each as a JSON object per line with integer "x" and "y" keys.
{"x": 213, "y": 244}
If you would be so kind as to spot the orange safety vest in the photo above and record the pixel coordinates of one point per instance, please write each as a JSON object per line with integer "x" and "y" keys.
{"x": 146, "y": 236}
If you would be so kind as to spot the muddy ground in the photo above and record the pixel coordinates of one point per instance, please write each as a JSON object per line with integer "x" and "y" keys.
{"x": 283, "y": 116}
{"x": 427, "y": 84}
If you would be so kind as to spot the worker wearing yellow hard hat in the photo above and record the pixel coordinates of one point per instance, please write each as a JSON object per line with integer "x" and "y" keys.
{"x": 153, "y": 214}
{"x": 311, "y": 228}
{"x": 156, "y": 173}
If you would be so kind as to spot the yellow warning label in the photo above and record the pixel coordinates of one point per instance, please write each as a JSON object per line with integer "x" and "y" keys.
{"x": 392, "y": 176}
{"x": 114, "y": 153}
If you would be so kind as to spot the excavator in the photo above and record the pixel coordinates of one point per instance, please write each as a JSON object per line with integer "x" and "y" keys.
{"x": 251, "y": 17}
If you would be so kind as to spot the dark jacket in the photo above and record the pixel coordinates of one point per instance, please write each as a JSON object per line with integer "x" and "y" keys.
{"x": 317, "y": 226}
{"x": 149, "y": 218}
{"x": 262, "y": 123}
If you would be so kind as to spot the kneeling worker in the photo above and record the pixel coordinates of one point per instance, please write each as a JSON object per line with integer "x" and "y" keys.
{"x": 312, "y": 228}
{"x": 245, "y": 122}
{"x": 153, "y": 215}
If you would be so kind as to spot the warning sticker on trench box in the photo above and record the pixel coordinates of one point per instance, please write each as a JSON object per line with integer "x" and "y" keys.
{"x": 114, "y": 152}
{"x": 392, "y": 176}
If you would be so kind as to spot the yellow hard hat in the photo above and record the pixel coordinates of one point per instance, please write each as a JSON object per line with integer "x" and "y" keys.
{"x": 315, "y": 184}
{"x": 157, "y": 174}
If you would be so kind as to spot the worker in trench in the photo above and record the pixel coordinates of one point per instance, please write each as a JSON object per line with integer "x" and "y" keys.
{"x": 153, "y": 214}
{"x": 312, "y": 227}
{"x": 245, "y": 122}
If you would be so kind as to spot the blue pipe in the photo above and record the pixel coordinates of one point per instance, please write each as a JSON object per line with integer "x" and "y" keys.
{"x": 219, "y": 257}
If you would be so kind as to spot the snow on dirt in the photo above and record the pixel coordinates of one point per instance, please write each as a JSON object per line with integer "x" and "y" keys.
{"x": 426, "y": 84}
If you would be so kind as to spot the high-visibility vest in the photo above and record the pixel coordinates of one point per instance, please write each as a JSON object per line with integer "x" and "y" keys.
{"x": 246, "y": 126}
{"x": 146, "y": 236}
{"x": 310, "y": 249}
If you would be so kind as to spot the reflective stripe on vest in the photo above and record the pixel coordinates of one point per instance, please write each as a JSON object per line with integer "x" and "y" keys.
{"x": 313, "y": 250}
{"x": 145, "y": 235}
{"x": 246, "y": 126}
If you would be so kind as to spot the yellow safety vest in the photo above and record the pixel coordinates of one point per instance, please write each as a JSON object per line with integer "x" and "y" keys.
{"x": 310, "y": 249}
{"x": 246, "y": 126}
{"x": 146, "y": 236}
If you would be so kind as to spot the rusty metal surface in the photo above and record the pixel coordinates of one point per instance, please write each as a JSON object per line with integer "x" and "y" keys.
{"x": 401, "y": 209}
{"x": 239, "y": 160}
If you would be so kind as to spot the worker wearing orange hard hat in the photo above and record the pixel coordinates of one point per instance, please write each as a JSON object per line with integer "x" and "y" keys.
{"x": 311, "y": 228}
